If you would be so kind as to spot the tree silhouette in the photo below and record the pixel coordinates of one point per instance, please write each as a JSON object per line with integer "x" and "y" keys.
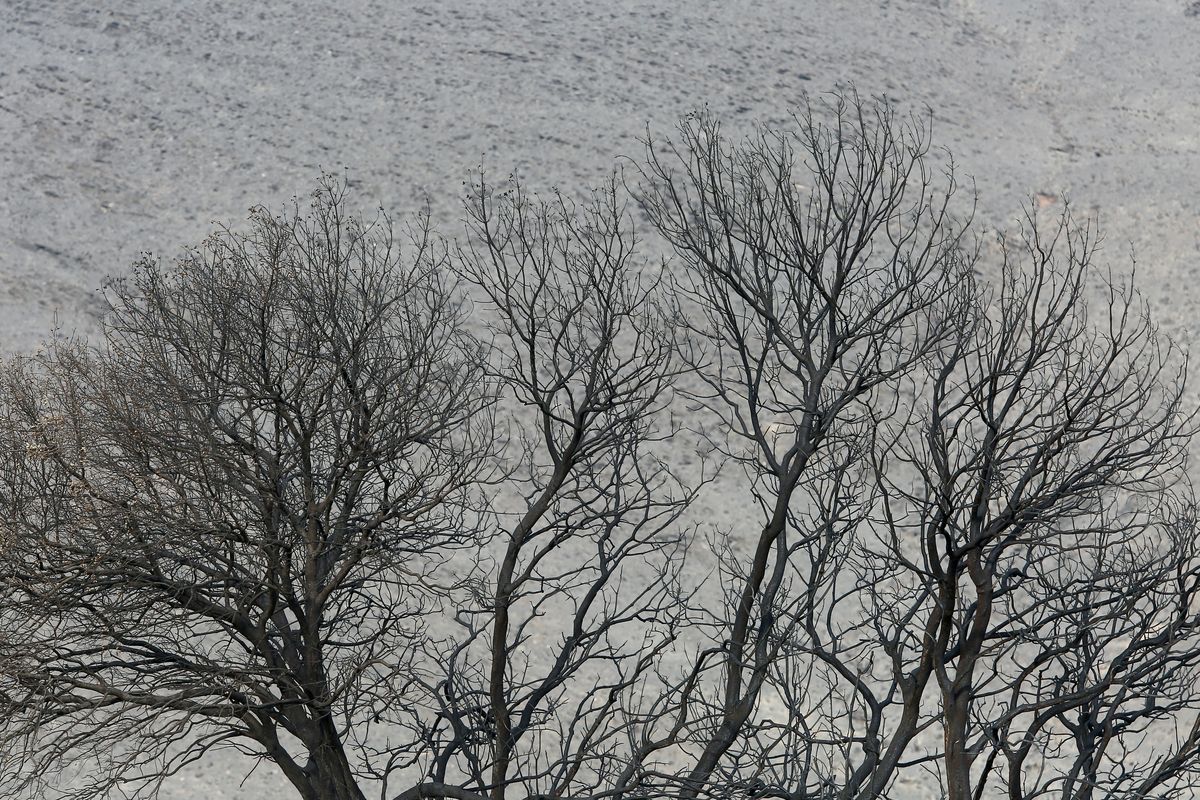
{"x": 409, "y": 516}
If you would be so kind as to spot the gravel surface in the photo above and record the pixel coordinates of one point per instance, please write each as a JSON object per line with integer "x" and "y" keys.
{"x": 129, "y": 130}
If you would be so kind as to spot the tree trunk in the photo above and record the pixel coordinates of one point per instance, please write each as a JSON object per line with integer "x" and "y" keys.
{"x": 958, "y": 759}
{"x": 328, "y": 774}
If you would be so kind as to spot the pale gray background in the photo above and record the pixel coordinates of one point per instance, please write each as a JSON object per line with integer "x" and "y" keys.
{"x": 132, "y": 127}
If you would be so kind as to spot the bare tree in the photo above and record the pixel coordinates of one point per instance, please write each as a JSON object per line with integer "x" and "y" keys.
{"x": 291, "y": 505}
{"x": 580, "y": 596}
{"x": 973, "y": 520}
{"x": 218, "y": 526}
{"x": 824, "y": 266}
{"x": 1056, "y": 579}
{"x": 410, "y": 520}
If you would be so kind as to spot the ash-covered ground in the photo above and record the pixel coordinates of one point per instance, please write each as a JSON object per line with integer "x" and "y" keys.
{"x": 131, "y": 129}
